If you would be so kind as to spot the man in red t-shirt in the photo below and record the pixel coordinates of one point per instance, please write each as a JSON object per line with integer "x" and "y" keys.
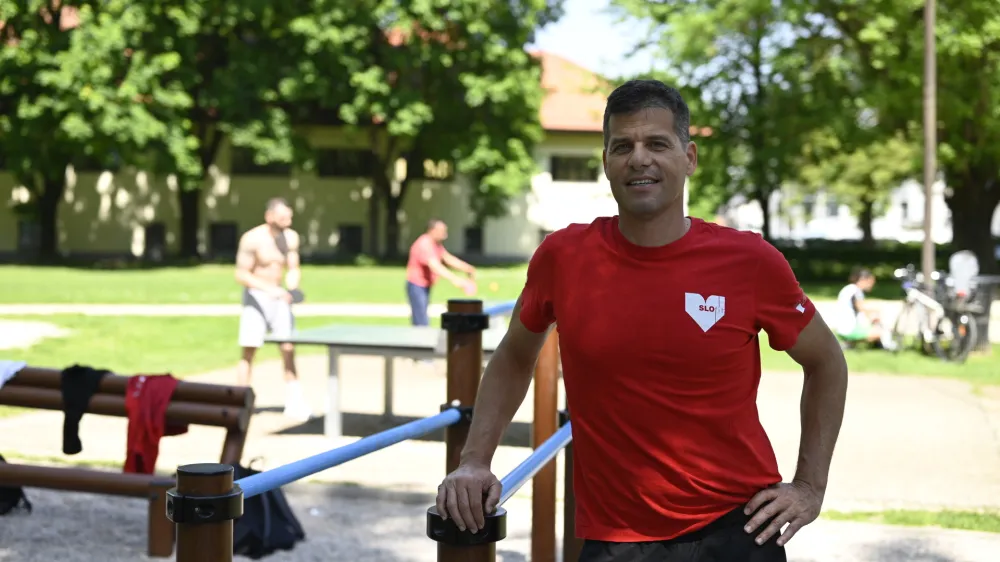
{"x": 428, "y": 261}
{"x": 659, "y": 316}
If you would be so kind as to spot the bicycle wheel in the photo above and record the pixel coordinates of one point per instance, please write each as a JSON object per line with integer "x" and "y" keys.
{"x": 906, "y": 329}
{"x": 955, "y": 336}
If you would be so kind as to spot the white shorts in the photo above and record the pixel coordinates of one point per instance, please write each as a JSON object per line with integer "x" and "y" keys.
{"x": 261, "y": 314}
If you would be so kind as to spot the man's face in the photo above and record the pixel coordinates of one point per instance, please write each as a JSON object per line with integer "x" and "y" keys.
{"x": 439, "y": 232}
{"x": 279, "y": 217}
{"x": 867, "y": 283}
{"x": 646, "y": 163}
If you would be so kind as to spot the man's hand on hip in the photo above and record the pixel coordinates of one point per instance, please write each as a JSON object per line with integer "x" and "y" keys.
{"x": 797, "y": 504}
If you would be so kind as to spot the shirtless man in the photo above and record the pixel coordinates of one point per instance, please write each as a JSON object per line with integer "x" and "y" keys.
{"x": 264, "y": 253}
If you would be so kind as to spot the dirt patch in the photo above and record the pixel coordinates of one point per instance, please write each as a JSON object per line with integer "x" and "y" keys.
{"x": 20, "y": 334}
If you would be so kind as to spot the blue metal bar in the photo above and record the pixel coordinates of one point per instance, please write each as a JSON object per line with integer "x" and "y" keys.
{"x": 498, "y": 309}
{"x": 531, "y": 465}
{"x": 275, "y": 478}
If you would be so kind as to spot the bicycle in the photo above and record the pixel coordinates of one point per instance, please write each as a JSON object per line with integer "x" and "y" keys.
{"x": 943, "y": 324}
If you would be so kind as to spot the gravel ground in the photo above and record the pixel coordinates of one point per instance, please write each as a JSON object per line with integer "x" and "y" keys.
{"x": 359, "y": 524}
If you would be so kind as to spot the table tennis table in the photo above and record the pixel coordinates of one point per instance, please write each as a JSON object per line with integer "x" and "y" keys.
{"x": 389, "y": 342}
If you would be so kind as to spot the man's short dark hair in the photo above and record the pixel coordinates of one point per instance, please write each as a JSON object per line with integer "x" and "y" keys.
{"x": 433, "y": 222}
{"x": 644, "y": 94}
{"x": 275, "y": 202}
{"x": 859, "y": 273}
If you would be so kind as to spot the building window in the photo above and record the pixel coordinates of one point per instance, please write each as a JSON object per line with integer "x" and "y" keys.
{"x": 344, "y": 163}
{"x": 832, "y": 207}
{"x": 474, "y": 240}
{"x": 351, "y": 237}
{"x": 242, "y": 164}
{"x": 28, "y": 237}
{"x": 542, "y": 233}
{"x": 904, "y": 207}
{"x": 222, "y": 239}
{"x": 573, "y": 168}
{"x": 155, "y": 236}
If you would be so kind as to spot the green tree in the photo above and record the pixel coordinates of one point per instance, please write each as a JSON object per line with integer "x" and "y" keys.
{"x": 439, "y": 80}
{"x": 863, "y": 177}
{"x": 234, "y": 57}
{"x": 882, "y": 42}
{"x": 72, "y": 93}
{"x": 739, "y": 63}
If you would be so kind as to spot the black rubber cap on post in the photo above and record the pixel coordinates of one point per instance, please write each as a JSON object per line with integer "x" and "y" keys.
{"x": 447, "y": 532}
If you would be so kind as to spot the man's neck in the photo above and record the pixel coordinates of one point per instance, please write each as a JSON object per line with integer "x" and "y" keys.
{"x": 654, "y": 231}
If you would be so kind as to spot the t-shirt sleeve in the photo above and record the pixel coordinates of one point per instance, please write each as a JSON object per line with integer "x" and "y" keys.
{"x": 783, "y": 309}
{"x": 537, "y": 311}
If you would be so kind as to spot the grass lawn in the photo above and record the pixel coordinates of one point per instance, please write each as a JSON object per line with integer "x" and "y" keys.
{"x": 978, "y": 369}
{"x": 214, "y": 284}
{"x": 174, "y": 344}
{"x": 963, "y": 520}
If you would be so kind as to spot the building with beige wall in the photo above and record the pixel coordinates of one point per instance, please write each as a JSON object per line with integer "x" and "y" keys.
{"x": 133, "y": 213}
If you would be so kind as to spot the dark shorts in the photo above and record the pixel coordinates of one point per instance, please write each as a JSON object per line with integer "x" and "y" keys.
{"x": 723, "y": 540}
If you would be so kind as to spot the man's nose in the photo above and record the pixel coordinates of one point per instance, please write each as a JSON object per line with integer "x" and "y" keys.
{"x": 641, "y": 157}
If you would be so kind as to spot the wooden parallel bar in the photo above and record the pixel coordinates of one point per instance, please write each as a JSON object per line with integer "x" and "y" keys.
{"x": 231, "y": 417}
{"x": 186, "y": 391}
{"x": 80, "y": 480}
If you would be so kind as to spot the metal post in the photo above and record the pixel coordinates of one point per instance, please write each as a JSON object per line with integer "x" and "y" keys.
{"x": 543, "y": 485}
{"x": 464, "y": 323}
{"x": 204, "y": 505}
{"x": 930, "y": 134}
{"x": 571, "y": 544}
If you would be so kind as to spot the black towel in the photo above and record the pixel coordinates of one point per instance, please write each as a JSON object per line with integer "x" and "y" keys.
{"x": 78, "y": 385}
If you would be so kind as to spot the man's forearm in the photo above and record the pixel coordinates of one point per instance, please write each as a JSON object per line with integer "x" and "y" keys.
{"x": 293, "y": 278}
{"x": 444, "y": 272}
{"x": 824, "y": 393}
{"x": 503, "y": 387}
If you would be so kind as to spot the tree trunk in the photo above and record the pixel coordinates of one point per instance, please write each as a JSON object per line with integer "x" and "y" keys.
{"x": 865, "y": 219}
{"x": 392, "y": 206}
{"x": 972, "y": 206}
{"x": 762, "y": 198}
{"x": 189, "y": 200}
{"x": 374, "y": 206}
{"x": 48, "y": 218}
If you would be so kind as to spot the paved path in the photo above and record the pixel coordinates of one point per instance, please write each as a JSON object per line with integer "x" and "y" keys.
{"x": 352, "y": 524}
{"x": 889, "y": 310}
{"x": 906, "y": 443}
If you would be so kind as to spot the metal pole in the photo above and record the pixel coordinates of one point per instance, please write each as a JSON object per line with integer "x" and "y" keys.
{"x": 930, "y": 133}
{"x": 571, "y": 544}
{"x": 464, "y": 323}
{"x": 204, "y": 505}
{"x": 543, "y": 485}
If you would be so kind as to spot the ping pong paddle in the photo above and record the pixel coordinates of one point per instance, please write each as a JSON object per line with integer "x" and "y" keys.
{"x": 297, "y": 296}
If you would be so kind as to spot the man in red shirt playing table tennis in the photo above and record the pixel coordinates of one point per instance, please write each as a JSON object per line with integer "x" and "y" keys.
{"x": 658, "y": 317}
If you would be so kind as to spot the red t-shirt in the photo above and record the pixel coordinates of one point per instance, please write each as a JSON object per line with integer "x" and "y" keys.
{"x": 423, "y": 250}
{"x": 661, "y": 364}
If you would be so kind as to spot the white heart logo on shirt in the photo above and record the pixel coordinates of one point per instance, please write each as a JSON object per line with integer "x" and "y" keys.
{"x": 706, "y": 312}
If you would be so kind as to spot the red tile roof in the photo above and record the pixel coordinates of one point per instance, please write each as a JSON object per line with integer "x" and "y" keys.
{"x": 574, "y": 96}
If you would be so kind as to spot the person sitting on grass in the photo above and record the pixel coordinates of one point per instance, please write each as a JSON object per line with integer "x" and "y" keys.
{"x": 857, "y": 320}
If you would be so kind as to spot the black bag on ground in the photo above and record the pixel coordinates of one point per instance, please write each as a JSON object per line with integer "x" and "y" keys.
{"x": 268, "y": 523}
{"x": 12, "y": 497}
